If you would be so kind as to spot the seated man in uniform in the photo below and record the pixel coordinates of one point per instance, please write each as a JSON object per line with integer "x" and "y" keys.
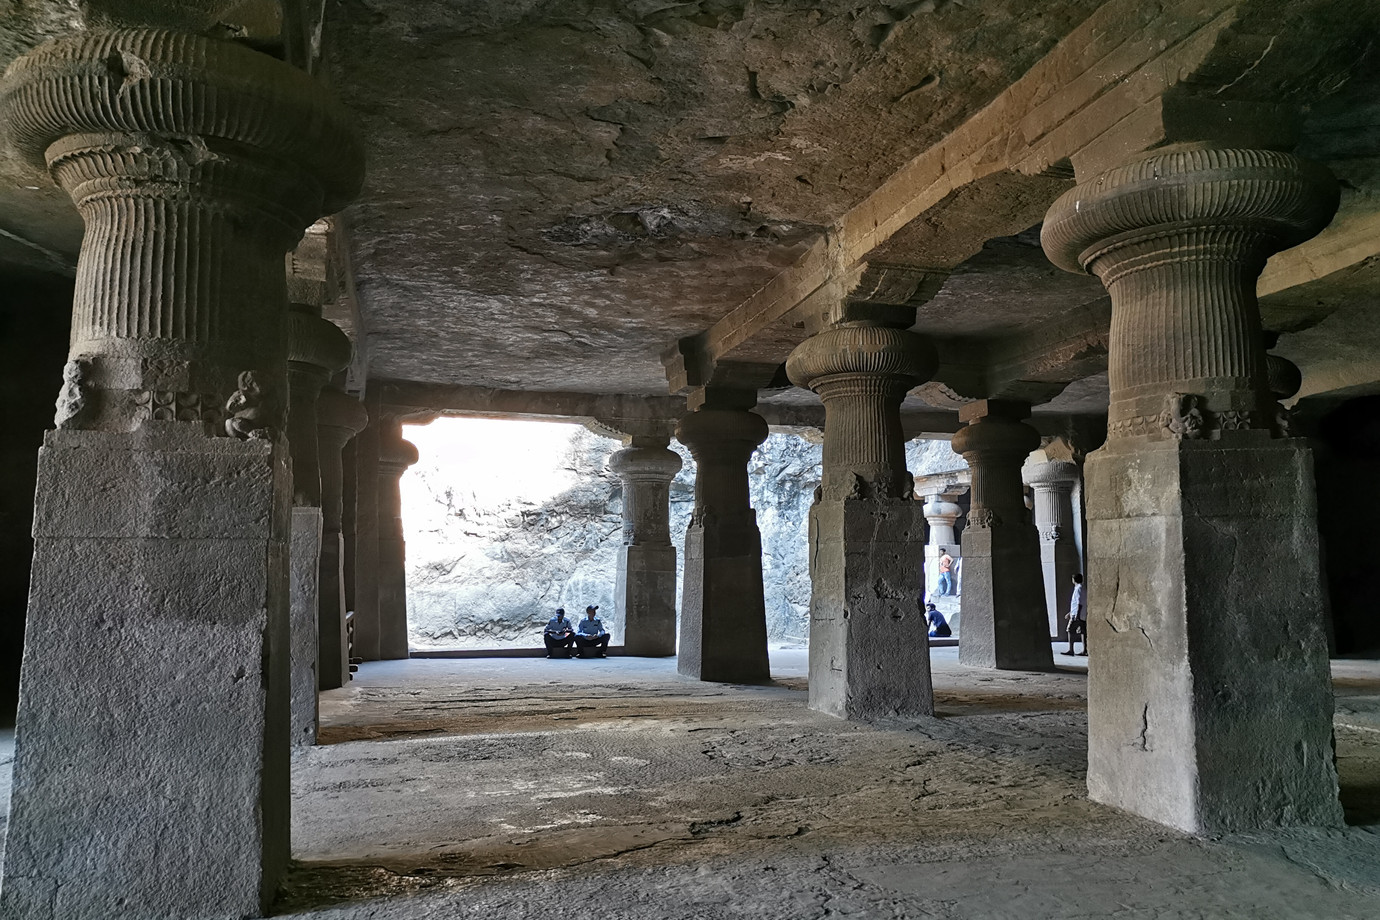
{"x": 591, "y": 635}
{"x": 558, "y": 635}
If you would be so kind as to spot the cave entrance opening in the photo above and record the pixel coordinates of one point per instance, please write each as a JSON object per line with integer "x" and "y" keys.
{"x": 505, "y": 521}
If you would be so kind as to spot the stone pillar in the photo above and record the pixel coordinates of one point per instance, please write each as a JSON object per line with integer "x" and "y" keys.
{"x": 395, "y": 456}
{"x": 1210, "y": 704}
{"x": 316, "y": 350}
{"x": 363, "y": 550}
{"x": 339, "y": 417}
{"x": 1052, "y": 482}
{"x": 1002, "y": 607}
{"x": 723, "y": 620}
{"x": 941, "y": 513}
{"x": 646, "y": 592}
{"x": 869, "y": 655}
{"x": 151, "y": 764}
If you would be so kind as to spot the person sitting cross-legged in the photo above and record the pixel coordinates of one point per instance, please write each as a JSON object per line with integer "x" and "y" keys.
{"x": 590, "y": 634}
{"x": 559, "y": 635}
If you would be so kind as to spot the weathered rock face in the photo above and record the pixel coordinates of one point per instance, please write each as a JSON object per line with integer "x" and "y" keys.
{"x": 487, "y": 570}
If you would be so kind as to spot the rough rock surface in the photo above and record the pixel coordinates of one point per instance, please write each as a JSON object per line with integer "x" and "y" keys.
{"x": 615, "y": 789}
{"x": 486, "y": 573}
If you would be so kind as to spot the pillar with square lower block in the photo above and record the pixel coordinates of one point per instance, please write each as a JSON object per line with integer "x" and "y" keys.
{"x": 339, "y": 417}
{"x": 151, "y": 759}
{"x": 395, "y": 456}
{"x": 646, "y": 587}
{"x": 1209, "y": 696}
{"x": 1002, "y": 609}
{"x": 869, "y": 640}
{"x": 723, "y": 622}
{"x": 1053, "y": 482}
{"x": 316, "y": 350}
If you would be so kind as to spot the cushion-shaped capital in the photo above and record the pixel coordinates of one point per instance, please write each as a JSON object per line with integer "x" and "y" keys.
{"x": 317, "y": 342}
{"x": 862, "y": 349}
{"x": 1282, "y": 198}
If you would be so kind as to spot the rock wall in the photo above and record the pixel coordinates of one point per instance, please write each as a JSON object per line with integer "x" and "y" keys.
{"x": 487, "y": 566}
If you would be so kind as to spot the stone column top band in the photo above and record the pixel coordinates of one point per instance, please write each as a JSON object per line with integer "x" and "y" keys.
{"x": 1275, "y": 193}
{"x": 338, "y": 409}
{"x": 1050, "y": 472}
{"x": 205, "y": 91}
{"x": 317, "y": 342}
{"x": 396, "y": 455}
{"x": 861, "y": 348}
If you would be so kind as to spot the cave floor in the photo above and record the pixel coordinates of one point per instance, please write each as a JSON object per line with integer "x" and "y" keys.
{"x": 618, "y": 789}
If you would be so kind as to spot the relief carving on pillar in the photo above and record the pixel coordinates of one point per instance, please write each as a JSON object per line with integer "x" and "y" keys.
{"x": 629, "y": 534}
{"x": 1282, "y": 417}
{"x": 71, "y": 399}
{"x": 1184, "y": 416}
{"x": 249, "y": 410}
{"x": 983, "y": 519}
{"x": 702, "y": 516}
{"x": 1052, "y": 534}
{"x": 175, "y": 406}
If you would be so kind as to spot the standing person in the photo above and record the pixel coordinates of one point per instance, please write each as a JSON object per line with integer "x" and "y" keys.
{"x": 939, "y": 627}
{"x": 591, "y": 634}
{"x": 946, "y": 576}
{"x": 1078, "y": 616}
{"x": 559, "y": 635}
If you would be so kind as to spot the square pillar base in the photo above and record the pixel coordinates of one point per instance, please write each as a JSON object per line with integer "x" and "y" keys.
{"x": 1060, "y": 562}
{"x": 869, "y": 642}
{"x": 392, "y": 599}
{"x": 646, "y": 596}
{"x": 1209, "y": 695}
{"x": 151, "y": 758}
{"x": 303, "y": 612}
{"x": 333, "y": 656}
{"x": 1005, "y": 623}
{"x": 723, "y": 623}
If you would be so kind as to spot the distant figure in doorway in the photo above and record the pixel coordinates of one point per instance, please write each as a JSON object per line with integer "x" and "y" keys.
{"x": 939, "y": 627}
{"x": 591, "y": 635}
{"x": 559, "y": 635}
{"x": 946, "y": 574}
{"x": 1078, "y": 616}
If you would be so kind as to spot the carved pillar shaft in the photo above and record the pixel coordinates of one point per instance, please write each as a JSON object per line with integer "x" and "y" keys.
{"x": 646, "y": 592}
{"x": 161, "y": 543}
{"x": 869, "y": 654}
{"x": 1053, "y": 482}
{"x": 339, "y": 417}
{"x": 723, "y": 625}
{"x": 395, "y": 456}
{"x": 1202, "y": 518}
{"x": 1004, "y": 618}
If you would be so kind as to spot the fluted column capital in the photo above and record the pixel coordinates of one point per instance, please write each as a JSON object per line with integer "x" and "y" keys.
{"x": 396, "y": 455}
{"x": 108, "y": 108}
{"x": 1050, "y": 474}
{"x": 725, "y": 435}
{"x": 645, "y": 464}
{"x": 316, "y": 345}
{"x": 339, "y": 416}
{"x": 1179, "y": 238}
{"x": 834, "y": 360}
{"x": 196, "y": 164}
{"x": 1250, "y": 203}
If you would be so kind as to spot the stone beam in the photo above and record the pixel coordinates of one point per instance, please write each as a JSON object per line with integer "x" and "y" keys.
{"x": 404, "y": 396}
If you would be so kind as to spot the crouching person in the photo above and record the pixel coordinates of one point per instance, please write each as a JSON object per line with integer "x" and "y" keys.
{"x": 591, "y": 635}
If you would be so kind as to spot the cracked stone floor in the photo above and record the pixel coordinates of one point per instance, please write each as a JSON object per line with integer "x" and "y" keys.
{"x": 618, "y": 789}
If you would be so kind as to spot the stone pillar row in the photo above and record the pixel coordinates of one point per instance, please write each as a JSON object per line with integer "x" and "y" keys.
{"x": 1210, "y": 704}
{"x": 164, "y": 500}
{"x": 868, "y": 653}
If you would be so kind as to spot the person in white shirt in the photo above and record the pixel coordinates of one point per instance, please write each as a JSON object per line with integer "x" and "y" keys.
{"x": 1078, "y": 616}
